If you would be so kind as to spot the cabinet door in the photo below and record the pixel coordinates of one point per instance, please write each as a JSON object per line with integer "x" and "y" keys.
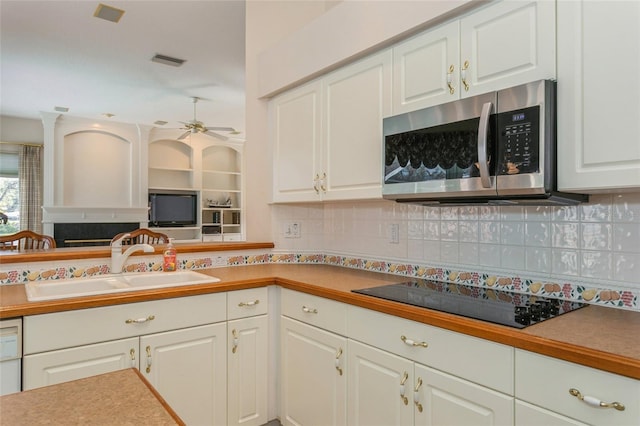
{"x": 357, "y": 97}
{"x": 296, "y": 137}
{"x": 449, "y": 400}
{"x": 598, "y": 93}
{"x": 506, "y": 44}
{"x": 380, "y": 387}
{"x": 247, "y": 371}
{"x": 50, "y": 368}
{"x": 530, "y": 415}
{"x": 189, "y": 369}
{"x": 426, "y": 70}
{"x": 314, "y": 385}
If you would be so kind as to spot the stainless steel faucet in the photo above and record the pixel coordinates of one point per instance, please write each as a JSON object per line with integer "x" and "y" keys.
{"x": 118, "y": 257}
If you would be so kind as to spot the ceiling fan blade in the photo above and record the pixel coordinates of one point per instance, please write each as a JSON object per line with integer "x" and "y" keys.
{"x": 222, "y": 129}
{"x": 216, "y": 135}
{"x": 184, "y": 135}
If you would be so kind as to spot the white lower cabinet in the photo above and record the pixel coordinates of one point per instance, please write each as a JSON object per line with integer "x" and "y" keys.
{"x": 380, "y": 387}
{"x": 530, "y": 415}
{"x": 554, "y": 388}
{"x": 387, "y": 389}
{"x": 189, "y": 369}
{"x": 210, "y": 371}
{"x": 64, "y": 365}
{"x": 313, "y": 380}
{"x": 247, "y": 371}
{"x": 341, "y": 364}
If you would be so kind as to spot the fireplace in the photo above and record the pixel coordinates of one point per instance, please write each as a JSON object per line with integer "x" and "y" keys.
{"x": 89, "y": 234}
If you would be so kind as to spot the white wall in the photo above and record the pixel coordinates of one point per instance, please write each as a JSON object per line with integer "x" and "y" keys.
{"x": 267, "y": 22}
{"x": 14, "y": 129}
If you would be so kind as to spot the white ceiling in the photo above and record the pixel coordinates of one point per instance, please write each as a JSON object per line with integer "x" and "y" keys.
{"x": 55, "y": 53}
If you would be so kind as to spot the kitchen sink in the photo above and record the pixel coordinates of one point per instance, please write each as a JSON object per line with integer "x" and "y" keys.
{"x": 113, "y": 283}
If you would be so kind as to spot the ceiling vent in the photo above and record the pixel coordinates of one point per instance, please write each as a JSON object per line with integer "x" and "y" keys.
{"x": 168, "y": 60}
{"x": 61, "y": 109}
{"x": 160, "y": 122}
{"x": 108, "y": 13}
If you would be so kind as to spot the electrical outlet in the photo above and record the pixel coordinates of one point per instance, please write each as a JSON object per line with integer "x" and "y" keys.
{"x": 292, "y": 230}
{"x": 395, "y": 233}
{"x": 219, "y": 261}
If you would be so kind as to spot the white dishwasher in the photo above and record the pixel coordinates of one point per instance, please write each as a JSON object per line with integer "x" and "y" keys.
{"x": 10, "y": 355}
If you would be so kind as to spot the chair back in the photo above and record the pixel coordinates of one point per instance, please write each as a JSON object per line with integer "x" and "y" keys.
{"x": 26, "y": 240}
{"x": 142, "y": 236}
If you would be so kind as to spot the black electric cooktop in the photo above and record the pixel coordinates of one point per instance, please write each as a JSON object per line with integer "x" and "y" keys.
{"x": 497, "y": 306}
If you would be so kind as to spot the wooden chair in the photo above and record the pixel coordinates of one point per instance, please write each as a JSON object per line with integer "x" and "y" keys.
{"x": 26, "y": 240}
{"x": 142, "y": 236}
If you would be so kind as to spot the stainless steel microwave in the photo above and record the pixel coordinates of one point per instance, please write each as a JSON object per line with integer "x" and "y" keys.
{"x": 495, "y": 148}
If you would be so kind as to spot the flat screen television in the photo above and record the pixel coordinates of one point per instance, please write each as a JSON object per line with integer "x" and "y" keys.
{"x": 173, "y": 208}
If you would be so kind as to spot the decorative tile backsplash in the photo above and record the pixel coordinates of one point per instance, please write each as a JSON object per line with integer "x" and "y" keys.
{"x": 585, "y": 253}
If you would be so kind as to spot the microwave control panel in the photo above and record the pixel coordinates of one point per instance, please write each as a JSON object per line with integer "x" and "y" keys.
{"x": 519, "y": 141}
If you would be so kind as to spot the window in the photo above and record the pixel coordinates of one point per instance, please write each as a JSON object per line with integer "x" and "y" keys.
{"x": 9, "y": 190}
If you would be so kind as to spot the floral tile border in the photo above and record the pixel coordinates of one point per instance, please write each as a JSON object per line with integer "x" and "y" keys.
{"x": 573, "y": 292}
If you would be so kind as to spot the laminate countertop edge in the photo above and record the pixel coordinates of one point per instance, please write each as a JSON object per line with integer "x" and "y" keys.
{"x": 595, "y": 336}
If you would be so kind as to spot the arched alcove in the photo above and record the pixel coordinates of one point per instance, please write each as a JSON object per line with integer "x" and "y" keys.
{"x": 96, "y": 170}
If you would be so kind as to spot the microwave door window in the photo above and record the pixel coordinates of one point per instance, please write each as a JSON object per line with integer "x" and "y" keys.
{"x": 446, "y": 152}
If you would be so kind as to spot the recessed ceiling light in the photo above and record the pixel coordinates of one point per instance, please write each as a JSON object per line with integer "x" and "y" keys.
{"x": 168, "y": 60}
{"x": 160, "y": 122}
{"x": 61, "y": 109}
{"x": 108, "y": 13}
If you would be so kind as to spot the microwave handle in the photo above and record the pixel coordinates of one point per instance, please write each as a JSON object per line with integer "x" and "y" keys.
{"x": 483, "y": 131}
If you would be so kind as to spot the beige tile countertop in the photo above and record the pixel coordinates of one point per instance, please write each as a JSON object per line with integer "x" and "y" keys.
{"x": 119, "y": 398}
{"x": 599, "y": 337}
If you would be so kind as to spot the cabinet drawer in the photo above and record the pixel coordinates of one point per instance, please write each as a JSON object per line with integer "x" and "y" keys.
{"x": 314, "y": 310}
{"x": 546, "y": 381}
{"x": 61, "y": 366}
{"x": 480, "y": 361}
{"x": 82, "y": 327}
{"x": 247, "y": 303}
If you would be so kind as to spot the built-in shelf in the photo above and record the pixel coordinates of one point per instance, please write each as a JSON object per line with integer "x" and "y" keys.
{"x": 214, "y": 169}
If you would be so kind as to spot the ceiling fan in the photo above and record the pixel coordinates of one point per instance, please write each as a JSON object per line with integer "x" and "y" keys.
{"x": 194, "y": 126}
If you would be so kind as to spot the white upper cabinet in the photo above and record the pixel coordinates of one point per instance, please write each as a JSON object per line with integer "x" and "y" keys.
{"x": 498, "y": 46}
{"x": 327, "y": 135}
{"x": 357, "y": 98}
{"x": 426, "y": 69}
{"x": 506, "y": 44}
{"x": 598, "y": 96}
{"x": 296, "y": 137}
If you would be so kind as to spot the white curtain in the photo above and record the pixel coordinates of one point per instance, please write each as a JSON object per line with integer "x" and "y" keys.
{"x": 30, "y": 176}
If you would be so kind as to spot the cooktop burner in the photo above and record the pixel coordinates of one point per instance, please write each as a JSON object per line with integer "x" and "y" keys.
{"x": 498, "y": 306}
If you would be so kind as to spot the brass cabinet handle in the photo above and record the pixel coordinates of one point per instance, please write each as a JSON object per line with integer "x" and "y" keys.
{"x": 404, "y": 399}
{"x": 595, "y": 402}
{"x": 248, "y": 304}
{"x": 338, "y": 355}
{"x": 463, "y": 75}
{"x": 140, "y": 320}
{"x": 413, "y": 342}
{"x": 235, "y": 341}
{"x": 416, "y": 395}
{"x": 148, "y": 349}
{"x": 450, "y": 79}
{"x": 315, "y": 183}
{"x": 309, "y": 310}
{"x": 323, "y": 185}
{"x": 132, "y": 355}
